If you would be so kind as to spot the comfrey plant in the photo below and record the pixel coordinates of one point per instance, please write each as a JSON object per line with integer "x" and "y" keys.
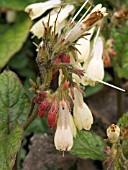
{"x": 65, "y": 49}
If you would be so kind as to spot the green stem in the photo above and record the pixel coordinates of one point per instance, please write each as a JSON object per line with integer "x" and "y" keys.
{"x": 32, "y": 108}
{"x": 30, "y": 119}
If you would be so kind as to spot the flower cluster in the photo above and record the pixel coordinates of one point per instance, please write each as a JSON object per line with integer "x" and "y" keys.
{"x": 65, "y": 49}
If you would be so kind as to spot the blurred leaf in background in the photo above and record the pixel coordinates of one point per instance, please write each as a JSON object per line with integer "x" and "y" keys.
{"x": 12, "y": 37}
{"x": 17, "y": 5}
{"x": 121, "y": 46}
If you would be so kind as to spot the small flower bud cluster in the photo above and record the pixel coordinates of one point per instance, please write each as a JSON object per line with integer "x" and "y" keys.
{"x": 50, "y": 108}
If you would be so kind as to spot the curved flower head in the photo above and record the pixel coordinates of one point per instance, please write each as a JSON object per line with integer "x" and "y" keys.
{"x": 37, "y": 9}
{"x": 63, "y": 136}
{"x": 95, "y": 67}
{"x": 113, "y": 133}
{"x": 81, "y": 113}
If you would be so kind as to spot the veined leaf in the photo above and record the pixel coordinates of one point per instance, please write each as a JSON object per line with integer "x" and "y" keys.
{"x": 9, "y": 145}
{"x": 14, "y": 108}
{"x": 14, "y": 104}
{"x": 88, "y": 145}
{"x": 123, "y": 121}
{"x": 121, "y": 47}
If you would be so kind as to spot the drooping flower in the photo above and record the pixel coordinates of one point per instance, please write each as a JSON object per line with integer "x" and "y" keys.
{"x": 37, "y": 9}
{"x": 63, "y": 136}
{"x": 38, "y": 28}
{"x": 95, "y": 67}
{"x": 81, "y": 113}
{"x": 113, "y": 133}
{"x": 83, "y": 46}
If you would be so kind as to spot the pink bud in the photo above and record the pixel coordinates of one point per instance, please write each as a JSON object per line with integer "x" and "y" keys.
{"x": 54, "y": 107}
{"x": 107, "y": 60}
{"x": 66, "y": 85}
{"x": 57, "y": 60}
{"x": 113, "y": 52}
{"x": 107, "y": 149}
{"x": 66, "y": 59}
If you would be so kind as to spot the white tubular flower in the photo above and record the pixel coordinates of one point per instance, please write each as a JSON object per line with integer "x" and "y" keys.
{"x": 63, "y": 137}
{"x": 81, "y": 113}
{"x": 38, "y": 28}
{"x": 72, "y": 125}
{"x": 37, "y": 9}
{"x": 113, "y": 133}
{"x": 95, "y": 67}
{"x": 89, "y": 21}
{"x": 83, "y": 46}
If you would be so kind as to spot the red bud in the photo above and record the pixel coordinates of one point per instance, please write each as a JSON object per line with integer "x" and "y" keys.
{"x": 52, "y": 119}
{"x": 66, "y": 85}
{"x": 41, "y": 114}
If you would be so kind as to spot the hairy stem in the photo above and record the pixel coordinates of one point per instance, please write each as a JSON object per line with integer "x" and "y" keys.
{"x": 30, "y": 119}
{"x": 32, "y": 108}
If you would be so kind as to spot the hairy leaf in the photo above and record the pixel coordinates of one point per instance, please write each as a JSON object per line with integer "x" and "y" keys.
{"x": 123, "y": 123}
{"x": 9, "y": 145}
{"x": 121, "y": 47}
{"x": 12, "y": 37}
{"x": 88, "y": 145}
{"x": 14, "y": 108}
{"x": 14, "y": 104}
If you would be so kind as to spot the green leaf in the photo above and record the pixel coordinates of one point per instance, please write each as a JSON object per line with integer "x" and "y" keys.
{"x": 121, "y": 47}
{"x": 88, "y": 145}
{"x": 12, "y": 37}
{"x": 9, "y": 145}
{"x": 38, "y": 126}
{"x": 123, "y": 121}
{"x": 17, "y": 4}
{"x": 14, "y": 104}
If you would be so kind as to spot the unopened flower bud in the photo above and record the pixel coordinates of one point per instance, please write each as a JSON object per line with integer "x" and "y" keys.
{"x": 107, "y": 149}
{"x": 42, "y": 113}
{"x": 66, "y": 84}
{"x": 113, "y": 133}
{"x": 52, "y": 119}
{"x": 66, "y": 59}
{"x": 44, "y": 105}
